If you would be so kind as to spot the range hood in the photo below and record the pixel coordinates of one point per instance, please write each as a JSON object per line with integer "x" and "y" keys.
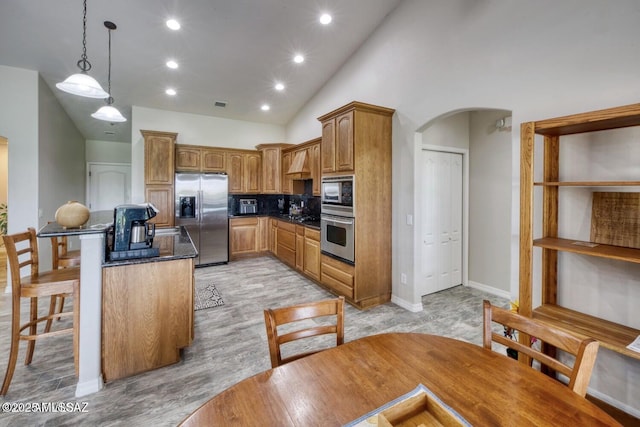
{"x": 299, "y": 168}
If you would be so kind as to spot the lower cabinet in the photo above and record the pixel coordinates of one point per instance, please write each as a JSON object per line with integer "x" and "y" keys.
{"x": 311, "y": 255}
{"x": 337, "y": 275}
{"x": 147, "y": 316}
{"x": 248, "y": 236}
{"x": 286, "y": 243}
{"x": 300, "y": 247}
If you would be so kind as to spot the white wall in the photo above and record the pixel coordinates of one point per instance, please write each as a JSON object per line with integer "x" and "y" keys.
{"x": 19, "y": 124}
{"x": 537, "y": 59}
{"x": 193, "y": 129}
{"x": 108, "y": 151}
{"x": 489, "y": 201}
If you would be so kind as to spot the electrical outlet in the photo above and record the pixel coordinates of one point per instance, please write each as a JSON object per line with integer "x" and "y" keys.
{"x": 403, "y": 278}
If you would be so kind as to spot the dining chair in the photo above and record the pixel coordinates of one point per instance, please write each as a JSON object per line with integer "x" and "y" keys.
{"x": 583, "y": 349}
{"x": 61, "y": 257}
{"x": 298, "y": 322}
{"x": 22, "y": 252}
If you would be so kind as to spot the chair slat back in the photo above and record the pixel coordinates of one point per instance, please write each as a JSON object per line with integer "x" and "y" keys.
{"x": 22, "y": 251}
{"x": 584, "y": 349}
{"x": 289, "y": 315}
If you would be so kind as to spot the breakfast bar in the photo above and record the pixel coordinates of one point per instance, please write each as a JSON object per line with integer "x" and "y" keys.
{"x": 175, "y": 247}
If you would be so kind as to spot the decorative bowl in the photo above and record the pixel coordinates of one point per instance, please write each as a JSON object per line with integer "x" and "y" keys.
{"x": 72, "y": 214}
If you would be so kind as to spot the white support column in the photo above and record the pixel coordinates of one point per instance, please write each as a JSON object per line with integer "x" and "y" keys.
{"x": 91, "y": 256}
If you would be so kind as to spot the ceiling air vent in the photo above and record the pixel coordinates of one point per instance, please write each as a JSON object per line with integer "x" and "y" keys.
{"x": 221, "y": 104}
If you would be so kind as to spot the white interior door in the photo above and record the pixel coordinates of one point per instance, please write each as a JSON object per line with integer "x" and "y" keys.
{"x": 441, "y": 221}
{"x": 108, "y": 185}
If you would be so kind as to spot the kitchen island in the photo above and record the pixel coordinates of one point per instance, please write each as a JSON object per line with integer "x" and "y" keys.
{"x": 175, "y": 247}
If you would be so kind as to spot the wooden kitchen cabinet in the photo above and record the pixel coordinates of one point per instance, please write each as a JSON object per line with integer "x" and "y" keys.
{"x": 159, "y": 171}
{"x": 272, "y": 167}
{"x": 243, "y": 237}
{"x": 337, "y": 142}
{"x": 213, "y": 160}
{"x": 311, "y": 257}
{"x": 273, "y": 236}
{"x": 556, "y": 249}
{"x": 300, "y": 247}
{"x": 147, "y": 316}
{"x": 316, "y": 167}
{"x": 286, "y": 243}
{"x": 194, "y": 158}
{"x": 338, "y": 276}
{"x": 263, "y": 234}
{"x": 286, "y": 181}
{"x": 356, "y": 139}
{"x": 244, "y": 170}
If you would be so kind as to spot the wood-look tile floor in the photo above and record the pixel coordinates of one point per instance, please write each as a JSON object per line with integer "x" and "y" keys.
{"x": 230, "y": 345}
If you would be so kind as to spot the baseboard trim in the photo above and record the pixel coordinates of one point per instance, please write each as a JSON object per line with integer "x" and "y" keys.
{"x": 490, "y": 289}
{"x": 414, "y": 308}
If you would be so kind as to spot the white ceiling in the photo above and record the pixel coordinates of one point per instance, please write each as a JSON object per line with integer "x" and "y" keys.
{"x": 228, "y": 50}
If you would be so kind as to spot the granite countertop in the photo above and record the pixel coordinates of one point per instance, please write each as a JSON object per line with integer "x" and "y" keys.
{"x": 174, "y": 243}
{"x": 98, "y": 222}
{"x": 301, "y": 220}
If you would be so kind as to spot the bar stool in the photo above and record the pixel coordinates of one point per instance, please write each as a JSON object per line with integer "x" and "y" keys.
{"x": 22, "y": 252}
{"x": 61, "y": 257}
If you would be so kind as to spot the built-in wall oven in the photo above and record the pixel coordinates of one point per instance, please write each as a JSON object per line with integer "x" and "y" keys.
{"x": 337, "y": 219}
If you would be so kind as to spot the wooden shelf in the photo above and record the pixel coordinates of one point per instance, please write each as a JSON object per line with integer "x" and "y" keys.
{"x": 588, "y": 184}
{"x": 586, "y": 248}
{"x": 612, "y": 336}
{"x": 593, "y": 121}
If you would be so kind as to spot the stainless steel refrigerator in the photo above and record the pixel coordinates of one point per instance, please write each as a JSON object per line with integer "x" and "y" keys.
{"x": 201, "y": 206}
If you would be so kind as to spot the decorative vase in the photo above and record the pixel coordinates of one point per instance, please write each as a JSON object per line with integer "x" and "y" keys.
{"x": 72, "y": 214}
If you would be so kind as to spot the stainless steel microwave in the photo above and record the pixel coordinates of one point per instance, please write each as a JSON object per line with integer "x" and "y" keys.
{"x": 338, "y": 190}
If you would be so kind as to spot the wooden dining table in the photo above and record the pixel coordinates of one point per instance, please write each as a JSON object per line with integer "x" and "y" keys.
{"x": 341, "y": 384}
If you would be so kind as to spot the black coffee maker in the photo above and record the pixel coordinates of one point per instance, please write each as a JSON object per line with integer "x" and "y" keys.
{"x": 132, "y": 233}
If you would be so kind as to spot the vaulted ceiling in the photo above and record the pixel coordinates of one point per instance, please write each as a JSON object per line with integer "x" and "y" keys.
{"x": 230, "y": 51}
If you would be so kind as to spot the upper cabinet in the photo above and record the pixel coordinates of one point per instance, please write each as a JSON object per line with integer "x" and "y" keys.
{"x": 272, "y": 167}
{"x": 158, "y": 157}
{"x": 299, "y": 163}
{"x": 337, "y": 142}
{"x": 244, "y": 168}
{"x": 192, "y": 158}
{"x": 159, "y": 174}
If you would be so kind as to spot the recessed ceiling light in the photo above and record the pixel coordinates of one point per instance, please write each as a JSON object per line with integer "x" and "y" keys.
{"x": 170, "y": 91}
{"x": 173, "y": 24}
{"x": 265, "y": 107}
{"x": 298, "y": 59}
{"x": 325, "y": 19}
{"x": 279, "y": 86}
{"x": 172, "y": 64}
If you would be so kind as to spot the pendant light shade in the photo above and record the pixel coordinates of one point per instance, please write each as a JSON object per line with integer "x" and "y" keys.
{"x": 82, "y": 84}
{"x": 109, "y": 113}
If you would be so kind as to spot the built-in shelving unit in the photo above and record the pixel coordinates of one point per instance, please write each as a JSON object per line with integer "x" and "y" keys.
{"x": 611, "y": 335}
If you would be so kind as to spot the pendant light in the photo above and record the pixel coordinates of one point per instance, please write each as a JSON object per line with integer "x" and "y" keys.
{"x": 82, "y": 84}
{"x": 109, "y": 113}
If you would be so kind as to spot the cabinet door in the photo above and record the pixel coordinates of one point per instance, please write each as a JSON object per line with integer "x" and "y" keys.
{"x": 263, "y": 233}
{"x": 344, "y": 142}
{"x": 187, "y": 159}
{"x": 287, "y": 183}
{"x": 273, "y": 237}
{"x": 299, "y": 247}
{"x": 312, "y": 258}
{"x": 159, "y": 158}
{"x": 314, "y": 153}
{"x": 161, "y": 196}
{"x": 253, "y": 172}
{"x": 235, "y": 170}
{"x": 328, "y": 149}
{"x": 243, "y": 236}
{"x": 213, "y": 160}
{"x": 271, "y": 170}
